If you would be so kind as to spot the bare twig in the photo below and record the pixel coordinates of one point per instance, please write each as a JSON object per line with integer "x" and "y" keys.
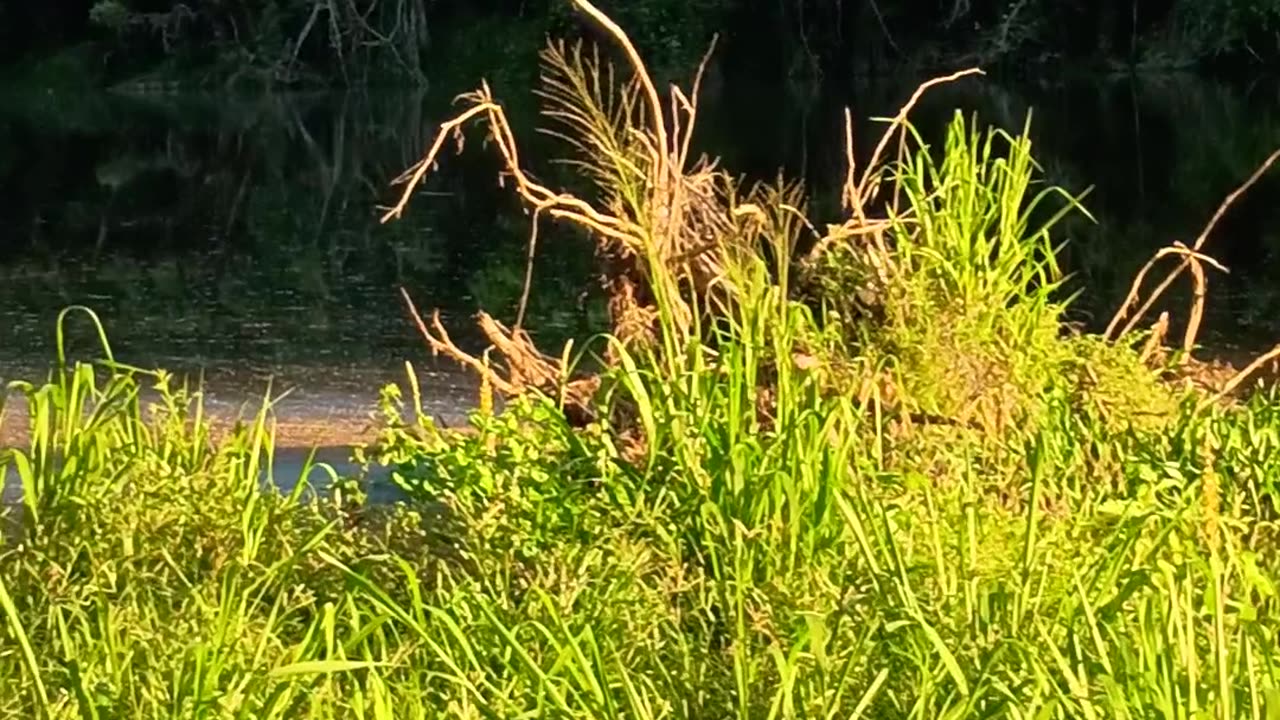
{"x": 875, "y": 7}
{"x": 526, "y": 368}
{"x": 415, "y": 174}
{"x": 873, "y": 228}
{"x": 691, "y": 103}
{"x": 870, "y": 179}
{"x": 441, "y": 344}
{"x": 849, "y": 193}
{"x": 302, "y": 36}
{"x": 857, "y": 194}
{"x": 1197, "y": 306}
{"x": 528, "y": 268}
{"x": 1231, "y": 199}
{"x": 559, "y": 205}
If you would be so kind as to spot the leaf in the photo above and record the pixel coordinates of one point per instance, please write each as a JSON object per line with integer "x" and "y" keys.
{"x": 948, "y": 660}
{"x": 323, "y": 667}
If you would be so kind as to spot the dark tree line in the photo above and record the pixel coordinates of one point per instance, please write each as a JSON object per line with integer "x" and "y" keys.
{"x": 364, "y": 41}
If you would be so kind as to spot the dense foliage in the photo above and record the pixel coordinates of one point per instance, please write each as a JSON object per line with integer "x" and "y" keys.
{"x": 377, "y": 41}
{"x": 867, "y": 476}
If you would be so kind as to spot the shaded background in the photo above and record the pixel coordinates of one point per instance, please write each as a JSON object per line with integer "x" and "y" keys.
{"x": 207, "y": 175}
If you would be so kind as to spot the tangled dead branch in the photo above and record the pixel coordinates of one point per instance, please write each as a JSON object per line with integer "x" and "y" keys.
{"x": 526, "y": 368}
{"x": 656, "y": 223}
{"x": 669, "y": 229}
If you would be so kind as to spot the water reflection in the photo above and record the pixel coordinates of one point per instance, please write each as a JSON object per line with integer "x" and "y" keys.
{"x": 239, "y": 235}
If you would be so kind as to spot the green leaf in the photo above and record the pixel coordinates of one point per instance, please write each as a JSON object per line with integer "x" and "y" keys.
{"x": 323, "y": 667}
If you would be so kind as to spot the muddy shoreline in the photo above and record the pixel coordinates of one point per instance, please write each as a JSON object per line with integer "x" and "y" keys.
{"x": 311, "y": 406}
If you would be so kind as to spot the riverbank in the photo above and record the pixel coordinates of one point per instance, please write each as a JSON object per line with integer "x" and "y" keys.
{"x": 318, "y": 412}
{"x": 321, "y": 415}
{"x": 862, "y": 471}
{"x": 311, "y": 406}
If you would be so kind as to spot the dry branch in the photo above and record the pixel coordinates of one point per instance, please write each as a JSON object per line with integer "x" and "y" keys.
{"x": 1155, "y": 341}
{"x": 527, "y": 369}
{"x": 857, "y": 194}
{"x": 1190, "y": 256}
{"x": 869, "y": 185}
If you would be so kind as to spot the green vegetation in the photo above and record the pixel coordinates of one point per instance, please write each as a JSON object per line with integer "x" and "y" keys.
{"x": 858, "y": 472}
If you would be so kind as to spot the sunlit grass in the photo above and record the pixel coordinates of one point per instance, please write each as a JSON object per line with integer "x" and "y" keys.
{"x": 793, "y": 499}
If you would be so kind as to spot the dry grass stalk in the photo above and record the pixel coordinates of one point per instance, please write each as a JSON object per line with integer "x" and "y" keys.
{"x": 531, "y": 253}
{"x": 1199, "y": 290}
{"x": 859, "y": 193}
{"x": 642, "y": 74}
{"x": 1155, "y": 341}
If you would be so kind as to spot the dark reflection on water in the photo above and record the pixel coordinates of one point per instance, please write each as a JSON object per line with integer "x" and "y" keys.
{"x": 237, "y": 239}
{"x": 240, "y": 235}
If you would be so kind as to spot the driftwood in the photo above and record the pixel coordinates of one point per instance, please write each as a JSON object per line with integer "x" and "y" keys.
{"x": 1193, "y": 260}
{"x": 526, "y": 368}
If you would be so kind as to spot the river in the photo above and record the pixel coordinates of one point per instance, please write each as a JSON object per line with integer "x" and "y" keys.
{"x": 236, "y": 238}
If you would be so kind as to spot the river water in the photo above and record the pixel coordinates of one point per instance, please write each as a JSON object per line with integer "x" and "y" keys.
{"x": 237, "y": 237}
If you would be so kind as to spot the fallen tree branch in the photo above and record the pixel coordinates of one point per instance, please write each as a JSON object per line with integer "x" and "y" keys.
{"x": 1189, "y": 255}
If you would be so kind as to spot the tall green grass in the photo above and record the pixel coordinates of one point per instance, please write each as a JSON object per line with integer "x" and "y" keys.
{"x": 154, "y": 575}
{"x": 783, "y": 548}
